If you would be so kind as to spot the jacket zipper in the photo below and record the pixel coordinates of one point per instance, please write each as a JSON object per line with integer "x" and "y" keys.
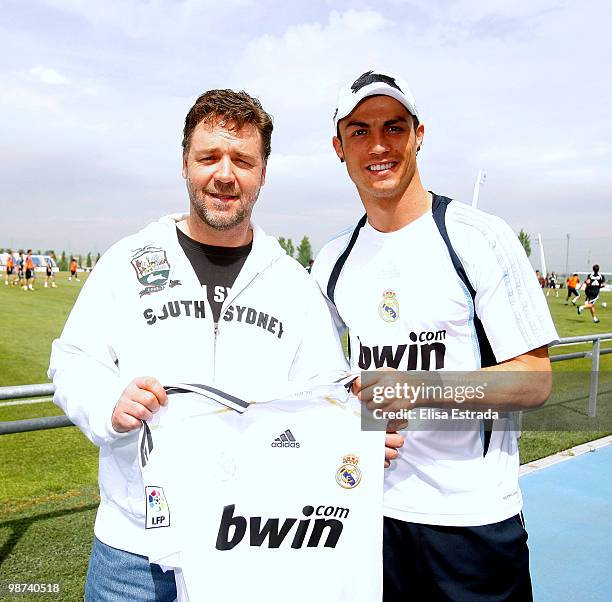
{"x": 225, "y": 304}
{"x": 216, "y": 331}
{"x": 216, "y": 326}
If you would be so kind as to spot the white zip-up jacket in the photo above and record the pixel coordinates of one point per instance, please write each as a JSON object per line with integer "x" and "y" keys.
{"x": 143, "y": 312}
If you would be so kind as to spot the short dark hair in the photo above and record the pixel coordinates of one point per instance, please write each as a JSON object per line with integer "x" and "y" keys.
{"x": 596, "y": 268}
{"x": 239, "y": 108}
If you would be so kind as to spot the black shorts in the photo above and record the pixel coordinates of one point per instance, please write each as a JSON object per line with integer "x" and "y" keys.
{"x": 572, "y": 291}
{"x": 592, "y": 293}
{"x": 458, "y": 564}
{"x": 9, "y": 271}
{"x": 73, "y": 273}
{"x": 28, "y": 274}
{"x": 48, "y": 272}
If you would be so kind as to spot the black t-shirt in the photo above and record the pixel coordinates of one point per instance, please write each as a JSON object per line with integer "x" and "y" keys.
{"x": 216, "y": 267}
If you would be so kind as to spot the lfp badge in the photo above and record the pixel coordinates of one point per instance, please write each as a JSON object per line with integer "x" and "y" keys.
{"x": 157, "y": 510}
{"x": 388, "y": 308}
{"x": 348, "y": 475}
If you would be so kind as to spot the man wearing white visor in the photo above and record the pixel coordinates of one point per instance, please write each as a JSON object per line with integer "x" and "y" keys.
{"x": 453, "y": 508}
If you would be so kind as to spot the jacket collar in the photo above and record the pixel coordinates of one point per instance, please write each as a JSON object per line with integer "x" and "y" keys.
{"x": 264, "y": 253}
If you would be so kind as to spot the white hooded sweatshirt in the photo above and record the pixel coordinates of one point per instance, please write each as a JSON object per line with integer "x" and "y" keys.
{"x": 143, "y": 312}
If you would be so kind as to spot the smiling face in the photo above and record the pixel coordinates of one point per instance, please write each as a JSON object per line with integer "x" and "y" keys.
{"x": 224, "y": 170}
{"x": 378, "y": 141}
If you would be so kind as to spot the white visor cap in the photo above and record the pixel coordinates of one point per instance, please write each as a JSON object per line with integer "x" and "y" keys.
{"x": 373, "y": 83}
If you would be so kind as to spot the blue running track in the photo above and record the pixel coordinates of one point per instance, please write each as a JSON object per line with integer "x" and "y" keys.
{"x": 568, "y": 511}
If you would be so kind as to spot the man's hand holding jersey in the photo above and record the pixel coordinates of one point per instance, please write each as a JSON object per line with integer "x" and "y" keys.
{"x": 145, "y": 395}
{"x": 139, "y": 401}
{"x": 393, "y": 441}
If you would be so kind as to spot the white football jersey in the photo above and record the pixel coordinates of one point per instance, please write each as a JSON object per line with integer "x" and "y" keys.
{"x": 405, "y": 307}
{"x": 279, "y": 499}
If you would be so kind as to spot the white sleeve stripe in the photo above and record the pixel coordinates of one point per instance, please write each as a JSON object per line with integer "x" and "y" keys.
{"x": 518, "y": 298}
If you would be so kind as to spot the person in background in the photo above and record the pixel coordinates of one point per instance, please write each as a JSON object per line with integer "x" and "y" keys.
{"x": 573, "y": 292}
{"x": 21, "y": 271}
{"x": 552, "y": 283}
{"x": 29, "y": 271}
{"x": 50, "y": 276}
{"x": 73, "y": 269}
{"x": 593, "y": 284}
{"x": 10, "y": 268}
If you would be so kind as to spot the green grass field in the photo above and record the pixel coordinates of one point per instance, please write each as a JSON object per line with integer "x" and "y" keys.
{"x": 48, "y": 492}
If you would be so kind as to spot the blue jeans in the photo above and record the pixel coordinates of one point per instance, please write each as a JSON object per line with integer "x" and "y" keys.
{"x": 118, "y": 576}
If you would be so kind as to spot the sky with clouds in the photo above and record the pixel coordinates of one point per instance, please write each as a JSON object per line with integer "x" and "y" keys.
{"x": 94, "y": 96}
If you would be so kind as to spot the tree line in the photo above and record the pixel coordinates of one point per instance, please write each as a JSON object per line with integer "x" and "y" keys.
{"x": 304, "y": 249}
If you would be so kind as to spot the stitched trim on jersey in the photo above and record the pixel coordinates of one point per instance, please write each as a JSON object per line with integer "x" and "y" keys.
{"x": 230, "y": 401}
{"x": 483, "y": 228}
{"x": 145, "y": 445}
{"x": 526, "y": 323}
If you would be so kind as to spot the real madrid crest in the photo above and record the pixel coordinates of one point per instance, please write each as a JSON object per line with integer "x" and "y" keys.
{"x": 348, "y": 475}
{"x": 388, "y": 308}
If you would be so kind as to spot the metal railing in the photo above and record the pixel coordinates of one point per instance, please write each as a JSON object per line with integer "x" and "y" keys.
{"x": 595, "y": 353}
{"x": 50, "y": 422}
{"x": 33, "y": 424}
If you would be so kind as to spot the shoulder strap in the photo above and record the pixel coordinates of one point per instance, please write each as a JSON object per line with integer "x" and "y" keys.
{"x": 487, "y": 357}
{"x": 439, "y": 206}
{"x": 335, "y": 273}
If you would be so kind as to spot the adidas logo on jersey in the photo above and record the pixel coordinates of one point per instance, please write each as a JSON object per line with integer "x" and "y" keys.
{"x": 285, "y": 439}
{"x": 326, "y": 529}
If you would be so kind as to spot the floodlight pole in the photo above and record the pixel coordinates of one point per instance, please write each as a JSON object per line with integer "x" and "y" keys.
{"x": 567, "y": 255}
{"x": 482, "y": 176}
